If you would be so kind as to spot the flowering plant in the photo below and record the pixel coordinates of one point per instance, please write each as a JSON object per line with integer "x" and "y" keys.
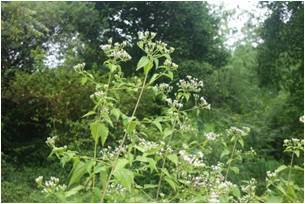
{"x": 136, "y": 160}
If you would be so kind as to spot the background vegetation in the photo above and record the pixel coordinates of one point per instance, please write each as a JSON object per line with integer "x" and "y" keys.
{"x": 261, "y": 87}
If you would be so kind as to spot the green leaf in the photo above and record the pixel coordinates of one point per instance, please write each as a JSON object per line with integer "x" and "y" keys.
{"x": 241, "y": 142}
{"x": 116, "y": 113}
{"x": 121, "y": 163}
{"x": 131, "y": 127}
{"x": 99, "y": 130}
{"x": 235, "y": 169}
{"x": 297, "y": 153}
{"x": 142, "y": 62}
{"x": 158, "y": 125}
{"x": 153, "y": 78}
{"x": 170, "y": 75}
{"x": 281, "y": 168}
{"x": 173, "y": 158}
{"x": 225, "y": 152}
{"x": 146, "y": 186}
{"x": 73, "y": 191}
{"x": 167, "y": 132}
{"x": 78, "y": 170}
{"x": 152, "y": 163}
{"x": 83, "y": 80}
{"x": 170, "y": 182}
{"x": 156, "y": 61}
{"x": 236, "y": 191}
{"x": 88, "y": 114}
{"x": 148, "y": 67}
{"x": 124, "y": 177}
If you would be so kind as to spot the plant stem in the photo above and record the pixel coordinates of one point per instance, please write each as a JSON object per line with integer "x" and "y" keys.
{"x": 160, "y": 180}
{"x": 163, "y": 164}
{"x": 233, "y": 150}
{"x": 291, "y": 162}
{"x": 122, "y": 143}
{"x": 96, "y": 142}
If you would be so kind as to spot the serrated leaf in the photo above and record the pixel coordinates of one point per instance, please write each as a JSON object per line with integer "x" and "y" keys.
{"x": 116, "y": 113}
{"x": 152, "y": 163}
{"x": 125, "y": 177}
{"x": 153, "y": 78}
{"x": 73, "y": 191}
{"x": 225, "y": 152}
{"x": 83, "y": 80}
{"x": 167, "y": 132}
{"x": 148, "y": 67}
{"x": 88, "y": 114}
{"x": 236, "y": 191}
{"x": 121, "y": 163}
{"x": 281, "y": 168}
{"x": 131, "y": 127}
{"x": 173, "y": 158}
{"x": 99, "y": 130}
{"x": 156, "y": 61}
{"x": 241, "y": 142}
{"x": 147, "y": 186}
{"x": 78, "y": 170}
{"x": 170, "y": 182}
{"x": 142, "y": 62}
{"x": 158, "y": 125}
{"x": 170, "y": 75}
{"x": 235, "y": 169}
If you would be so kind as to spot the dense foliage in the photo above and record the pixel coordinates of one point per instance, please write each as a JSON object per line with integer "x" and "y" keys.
{"x": 127, "y": 124}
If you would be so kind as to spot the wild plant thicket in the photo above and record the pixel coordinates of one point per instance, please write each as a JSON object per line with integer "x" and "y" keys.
{"x": 147, "y": 162}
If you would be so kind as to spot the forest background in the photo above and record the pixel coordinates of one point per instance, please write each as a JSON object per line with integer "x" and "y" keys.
{"x": 258, "y": 82}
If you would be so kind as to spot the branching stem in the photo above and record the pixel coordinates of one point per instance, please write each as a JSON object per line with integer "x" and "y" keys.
{"x": 231, "y": 157}
{"x": 122, "y": 143}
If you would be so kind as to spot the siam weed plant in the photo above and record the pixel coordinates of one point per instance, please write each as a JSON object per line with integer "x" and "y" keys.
{"x": 137, "y": 159}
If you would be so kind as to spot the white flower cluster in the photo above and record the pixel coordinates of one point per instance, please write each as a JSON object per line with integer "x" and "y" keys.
{"x": 174, "y": 103}
{"x": 165, "y": 88}
{"x": 214, "y": 198}
{"x": 217, "y": 168}
{"x": 196, "y": 181}
{"x": 301, "y": 119}
{"x": 79, "y": 67}
{"x": 251, "y": 153}
{"x": 249, "y": 189}
{"x": 116, "y": 51}
{"x": 203, "y": 103}
{"x": 146, "y": 35}
{"x": 51, "y": 185}
{"x": 270, "y": 175}
{"x": 225, "y": 186}
{"x": 244, "y": 131}
{"x": 109, "y": 153}
{"x": 195, "y": 160}
{"x": 51, "y": 141}
{"x": 98, "y": 94}
{"x": 293, "y": 144}
{"x": 191, "y": 84}
{"x": 211, "y": 136}
{"x": 169, "y": 64}
{"x": 156, "y": 48}
{"x": 186, "y": 126}
{"x": 148, "y": 145}
{"x": 117, "y": 188}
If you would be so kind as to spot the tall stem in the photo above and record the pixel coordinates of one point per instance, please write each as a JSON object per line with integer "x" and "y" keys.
{"x": 96, "y": 142}
{"x": 291, "y": 162}
{"x": 163, "y": 163}
{"x": 122, "y": 143}
{"x": 231, "y": 157}
{"x": 160, "y": 179}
